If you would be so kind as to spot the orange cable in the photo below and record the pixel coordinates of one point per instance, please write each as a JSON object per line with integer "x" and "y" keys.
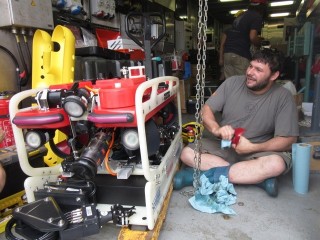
{"x": 106, "y": 159}
{"x": 91, "y": 89}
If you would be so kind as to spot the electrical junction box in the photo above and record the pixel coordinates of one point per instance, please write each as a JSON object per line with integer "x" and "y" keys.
{"x": 105, "y": 9}
{"x": 26, "y": 14}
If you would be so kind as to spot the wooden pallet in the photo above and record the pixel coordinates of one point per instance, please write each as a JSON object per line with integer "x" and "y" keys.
{"x": 127, "y": 234}
{"x": 8, "y": 204}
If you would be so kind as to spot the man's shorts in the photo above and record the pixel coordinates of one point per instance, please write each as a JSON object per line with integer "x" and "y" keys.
{"x": 235, "y": 65}
{"x": 229, "y": 154}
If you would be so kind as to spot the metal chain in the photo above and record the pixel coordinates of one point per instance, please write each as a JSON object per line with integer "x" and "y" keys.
{"x": 201, "y": 69}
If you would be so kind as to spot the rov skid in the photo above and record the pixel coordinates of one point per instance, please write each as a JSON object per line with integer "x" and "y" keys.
{"x": 121, "y": 148}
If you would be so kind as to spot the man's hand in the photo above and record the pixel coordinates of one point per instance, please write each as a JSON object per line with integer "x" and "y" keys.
{"x": 226, "y": 132}
{"x": 244, "y": 146}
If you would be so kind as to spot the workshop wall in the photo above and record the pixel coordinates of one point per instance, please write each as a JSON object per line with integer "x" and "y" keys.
{"x": 112, "y": 20}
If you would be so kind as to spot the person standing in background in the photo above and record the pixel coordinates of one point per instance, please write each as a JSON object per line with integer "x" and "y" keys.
{"x": 223, "y": 40}
{"x": 245, "y": 31}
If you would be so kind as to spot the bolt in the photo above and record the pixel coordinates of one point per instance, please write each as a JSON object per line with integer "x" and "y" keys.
{"x": 61, "y": 223}
{"x": 14, "y": 30}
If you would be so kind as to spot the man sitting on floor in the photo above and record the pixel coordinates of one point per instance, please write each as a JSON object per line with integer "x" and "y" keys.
{"x": 268, "y": 114}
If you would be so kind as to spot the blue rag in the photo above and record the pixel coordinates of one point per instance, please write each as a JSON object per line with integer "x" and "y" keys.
{"x": 225, "y": 144}
{"x": 214, "y": 197}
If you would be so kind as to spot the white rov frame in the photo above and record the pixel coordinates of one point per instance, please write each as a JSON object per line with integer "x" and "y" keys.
{"x": 158, "y": 177}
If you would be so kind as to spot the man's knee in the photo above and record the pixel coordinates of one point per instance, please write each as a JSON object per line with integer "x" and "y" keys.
{"x": 274, "y": 164}
{"x": 187, "y": 153}
{"x": 2, "y": 178}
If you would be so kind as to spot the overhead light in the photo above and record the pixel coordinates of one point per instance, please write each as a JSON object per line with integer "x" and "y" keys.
{"x": 299, "y": 9}
{"x": 230, "y": 0}
{"x": 281, "y": 3}
{"x": 284, "y": 14}
{"x": 233, "y": 12}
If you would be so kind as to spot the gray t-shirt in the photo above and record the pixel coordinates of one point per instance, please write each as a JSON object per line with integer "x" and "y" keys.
{"x": 262, "y": 116}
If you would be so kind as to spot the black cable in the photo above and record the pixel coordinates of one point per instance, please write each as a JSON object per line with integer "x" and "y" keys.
{"x": 56, "y": 150}
{"x": 28, "y": 51}
{"x": 8, "y": 230}
{"x": 14, "y": 59}
{"x": 23, "y": 81}
{"x": 9, "y": 235}
{"x": 49, "y": 236}
{"x": 94, "y": 190}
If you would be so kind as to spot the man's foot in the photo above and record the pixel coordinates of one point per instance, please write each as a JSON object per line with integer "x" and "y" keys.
{"x": 214, "y": 174}
{"x": 183, "y": 178}
{"x": 270, "y": 185}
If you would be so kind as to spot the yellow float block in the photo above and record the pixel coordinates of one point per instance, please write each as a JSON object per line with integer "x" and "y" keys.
{"x": 128, "y": 234}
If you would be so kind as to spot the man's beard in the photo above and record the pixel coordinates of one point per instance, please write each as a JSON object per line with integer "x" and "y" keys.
{"x": 260, "y": 86}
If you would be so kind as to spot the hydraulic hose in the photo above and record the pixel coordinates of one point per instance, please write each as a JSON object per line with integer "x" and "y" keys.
{"x": 9, "y": 235}
{"x": 23, "y": 81}
{"x": 27, "y": 49}
{"x": 56, "y": 150}
{"x": 106, "y": 159}
{"x": 16, "y": 63}
{"x": 8, "y": 230}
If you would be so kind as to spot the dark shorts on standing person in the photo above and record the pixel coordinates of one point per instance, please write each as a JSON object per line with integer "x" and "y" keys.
{"x": 235, "y": 65}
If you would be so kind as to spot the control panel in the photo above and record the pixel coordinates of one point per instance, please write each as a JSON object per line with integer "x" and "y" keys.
{"x": 26, "y": 13}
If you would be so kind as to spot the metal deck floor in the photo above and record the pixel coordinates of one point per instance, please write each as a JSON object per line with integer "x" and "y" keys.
{"x": 290, "y": 216}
